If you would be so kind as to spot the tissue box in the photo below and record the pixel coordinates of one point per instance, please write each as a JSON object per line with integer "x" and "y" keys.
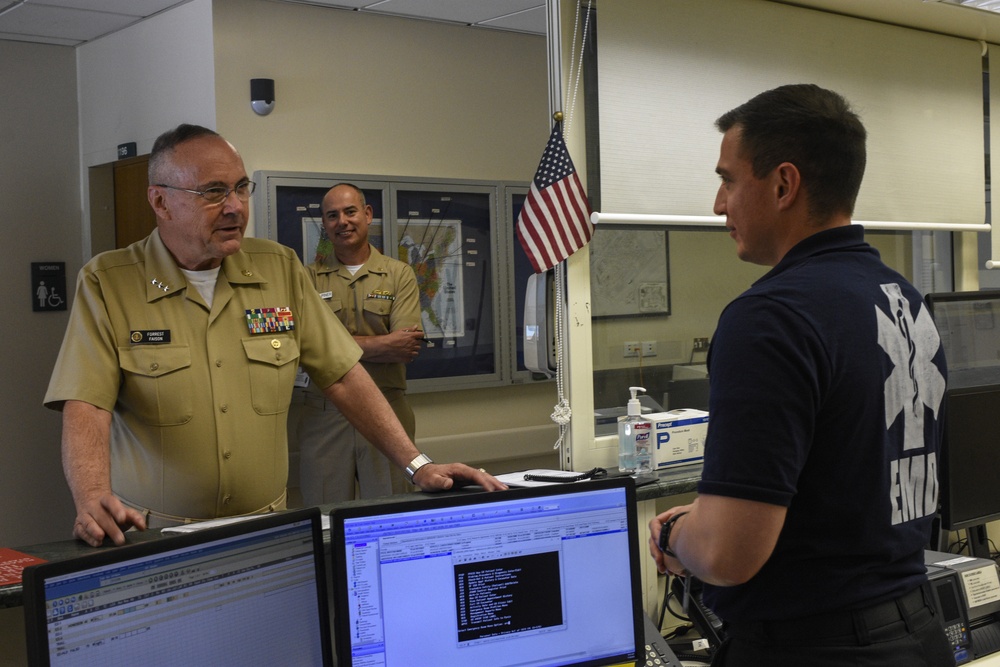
{"x": 678, "y": 437}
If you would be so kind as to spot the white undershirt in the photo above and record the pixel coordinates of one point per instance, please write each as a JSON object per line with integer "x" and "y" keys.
{"x": 353, "y": 269}
{"x": 204, "y": 282}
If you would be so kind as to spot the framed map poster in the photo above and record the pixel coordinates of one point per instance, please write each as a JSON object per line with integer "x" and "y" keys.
{"x": 629, "y": 273}
{"x": 448, "y": 233}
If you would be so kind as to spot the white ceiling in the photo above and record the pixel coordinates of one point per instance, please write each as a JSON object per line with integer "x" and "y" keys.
{"x": 73, "y": 22}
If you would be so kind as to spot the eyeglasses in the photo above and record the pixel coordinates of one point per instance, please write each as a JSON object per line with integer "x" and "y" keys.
{"x": 219, "y": 194}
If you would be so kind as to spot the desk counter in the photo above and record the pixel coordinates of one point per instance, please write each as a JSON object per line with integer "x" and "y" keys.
{"x": 671, "y": 482}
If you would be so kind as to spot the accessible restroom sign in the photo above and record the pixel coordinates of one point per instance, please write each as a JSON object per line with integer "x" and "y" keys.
{"x": 48, "y": 286}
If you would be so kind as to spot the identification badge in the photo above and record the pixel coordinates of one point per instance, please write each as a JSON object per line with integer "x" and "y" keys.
{"x": 158, "y": 337}
{"x": 270, "y": 320}
{"x": 326, "y": 295}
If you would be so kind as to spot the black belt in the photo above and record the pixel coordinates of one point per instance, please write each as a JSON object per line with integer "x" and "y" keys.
{"x": 880, "y": 622}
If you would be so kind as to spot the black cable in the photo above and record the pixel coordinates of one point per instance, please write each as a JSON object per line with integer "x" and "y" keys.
{"x": 962, "y": 545}
{"x": 678, "y": 631}
{"x": 671, "y": 596}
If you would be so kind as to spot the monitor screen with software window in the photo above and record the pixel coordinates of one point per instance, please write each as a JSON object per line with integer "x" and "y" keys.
{"x": 538, "y": 576}
{"x": 969, "y": 326}
{"x": 247, "y": 593}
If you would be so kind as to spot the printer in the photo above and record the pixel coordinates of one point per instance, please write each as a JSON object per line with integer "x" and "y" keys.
{"x": 966, "y": 591}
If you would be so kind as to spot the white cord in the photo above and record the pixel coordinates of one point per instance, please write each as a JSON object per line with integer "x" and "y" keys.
{"x": 562, "y": 415}
{"x": 576, "y": 64}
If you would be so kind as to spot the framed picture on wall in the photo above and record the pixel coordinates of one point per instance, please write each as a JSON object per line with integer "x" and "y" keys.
{"x": 629, "y": 273}
{"x": 447, "y": 231}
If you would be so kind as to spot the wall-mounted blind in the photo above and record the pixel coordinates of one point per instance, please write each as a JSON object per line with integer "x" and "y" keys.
{"x": 669, "y": 68}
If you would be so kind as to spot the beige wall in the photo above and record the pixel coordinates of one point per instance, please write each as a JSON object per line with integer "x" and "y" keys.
{"x": 138, "y": 82}
{"x": 356, "y": 93}
{"x": 365, "y": 94}
{"x": 40, "y": 199}
{"x": 704, "y": 276}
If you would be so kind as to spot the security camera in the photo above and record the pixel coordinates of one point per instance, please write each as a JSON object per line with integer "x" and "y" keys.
{"x": 262, "y": 96}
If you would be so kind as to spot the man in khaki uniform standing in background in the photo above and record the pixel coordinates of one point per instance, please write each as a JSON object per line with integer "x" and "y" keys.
{"x": 378, "y": 301}
{"x": 176, "y": 372}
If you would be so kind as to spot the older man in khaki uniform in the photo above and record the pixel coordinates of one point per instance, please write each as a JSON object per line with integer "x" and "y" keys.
{"x": 177, "y": 367}
{"x": 378, "y": 301}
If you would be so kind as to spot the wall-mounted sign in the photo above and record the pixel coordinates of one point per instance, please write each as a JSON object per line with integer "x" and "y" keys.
{"x": 48, "y": 285}
{"x": 126, "y": 150}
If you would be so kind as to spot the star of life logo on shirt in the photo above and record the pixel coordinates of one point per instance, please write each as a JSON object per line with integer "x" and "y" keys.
{"x": 915, "y": 383}
{"x": 270, "y": 320}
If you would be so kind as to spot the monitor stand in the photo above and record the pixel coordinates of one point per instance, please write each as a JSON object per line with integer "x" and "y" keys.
{"x": 976, "y": 537}
{"x": 979, "y": 541}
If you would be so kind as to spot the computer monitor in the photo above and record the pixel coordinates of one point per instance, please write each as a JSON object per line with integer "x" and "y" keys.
{"x": 969, "y": 326}
{"x": 969, "y": 493}
{"x": 537, "y": 576}
{"x": 247, "y": 593}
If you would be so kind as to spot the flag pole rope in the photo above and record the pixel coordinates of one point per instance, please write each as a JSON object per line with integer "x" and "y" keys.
{"x": 562, "y": 413}
{"x": 576, "y": 63}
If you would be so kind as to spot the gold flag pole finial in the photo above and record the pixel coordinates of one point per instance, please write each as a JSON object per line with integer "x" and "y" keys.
{"x": 557, "y": 116}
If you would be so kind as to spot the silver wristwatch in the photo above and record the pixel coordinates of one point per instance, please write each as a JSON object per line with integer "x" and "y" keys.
{"x": 416, "y": 464}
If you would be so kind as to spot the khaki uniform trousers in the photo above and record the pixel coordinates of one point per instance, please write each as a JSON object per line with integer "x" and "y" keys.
{"x": 340, "y": 458}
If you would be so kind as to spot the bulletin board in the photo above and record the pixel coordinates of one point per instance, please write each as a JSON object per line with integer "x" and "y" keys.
{"x": 447, "y": 232}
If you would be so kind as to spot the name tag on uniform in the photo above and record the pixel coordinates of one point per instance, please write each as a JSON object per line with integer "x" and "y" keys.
{"x": 326, "y": 295}
{"x": 270, "y": 320}
{"x": 149, "y": 337}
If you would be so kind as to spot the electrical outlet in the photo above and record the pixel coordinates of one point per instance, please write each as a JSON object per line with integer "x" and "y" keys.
{"x": 631, "y": 348}
{"x": 649, "y": 348}
{"x": 700, "y": 344}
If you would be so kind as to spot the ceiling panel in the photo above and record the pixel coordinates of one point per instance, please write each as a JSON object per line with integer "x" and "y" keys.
{"x": 37, "y": 39}
{"x": 530, "y": 20}
{"x": 459, "y": 11}
{"x": 73, "y": 22}
{"x": 46, "y": 21}
{"x": 517, "y": 15}
{"x": 136, "y": 8}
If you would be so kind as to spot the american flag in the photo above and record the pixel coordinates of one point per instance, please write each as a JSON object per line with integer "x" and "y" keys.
{"x": 555, "y": 220}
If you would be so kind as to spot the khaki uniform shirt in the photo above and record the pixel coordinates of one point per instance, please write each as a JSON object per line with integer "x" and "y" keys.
{"x": 381, "y": 297}
{"x": 199, "y": 397}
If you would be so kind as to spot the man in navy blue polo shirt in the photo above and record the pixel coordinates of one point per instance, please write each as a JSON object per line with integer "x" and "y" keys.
{"x": 827, "y": 380}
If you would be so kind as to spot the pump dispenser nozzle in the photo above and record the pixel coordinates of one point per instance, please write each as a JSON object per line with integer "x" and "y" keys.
{"x": 634, "y": 407}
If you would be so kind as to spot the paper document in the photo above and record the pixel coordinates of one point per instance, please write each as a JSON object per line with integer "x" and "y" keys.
{"x": 202, "y": 525}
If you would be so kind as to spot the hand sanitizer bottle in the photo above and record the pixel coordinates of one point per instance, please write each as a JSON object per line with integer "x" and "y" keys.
{"x": 634, "y": 438}
{"x": 644, "y": 448}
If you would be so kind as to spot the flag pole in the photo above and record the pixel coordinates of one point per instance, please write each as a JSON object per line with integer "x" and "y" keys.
{"x": 561, "y": 414}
